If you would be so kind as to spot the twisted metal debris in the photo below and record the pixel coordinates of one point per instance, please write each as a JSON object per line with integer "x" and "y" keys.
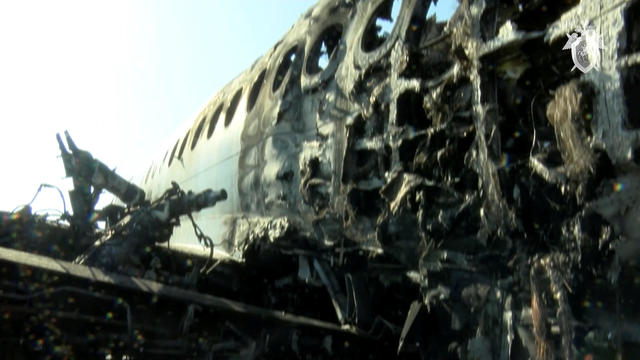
{"x": 443, "y": 190}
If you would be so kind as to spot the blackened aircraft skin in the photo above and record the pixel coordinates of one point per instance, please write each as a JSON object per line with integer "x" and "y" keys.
{"x": 445, "y": 190}
{"x": 275, "y": 136}
{"x": 321, "y": 128}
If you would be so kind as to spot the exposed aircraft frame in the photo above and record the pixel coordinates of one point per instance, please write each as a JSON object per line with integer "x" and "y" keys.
{"x": 441, "y": 190}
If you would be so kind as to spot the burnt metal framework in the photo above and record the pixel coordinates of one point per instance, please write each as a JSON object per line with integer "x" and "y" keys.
{"x": 449, "y": 189}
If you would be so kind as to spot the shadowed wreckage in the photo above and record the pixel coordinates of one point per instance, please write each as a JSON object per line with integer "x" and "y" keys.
{"x": 437, "y": 190}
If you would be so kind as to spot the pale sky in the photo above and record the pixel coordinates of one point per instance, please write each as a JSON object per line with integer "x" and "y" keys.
{"x": 120, "y": 76}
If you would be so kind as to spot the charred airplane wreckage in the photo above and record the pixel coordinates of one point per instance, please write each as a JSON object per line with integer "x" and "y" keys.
{"x": 439, "y": 190}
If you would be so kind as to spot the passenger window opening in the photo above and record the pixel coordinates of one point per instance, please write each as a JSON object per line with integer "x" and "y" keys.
{"x": 255, "y": 91}
{"x": 232, "y": 107}
{"x": 146, "y": 177}
{"x": 196, "y": 135}
{"x": 324, "y": 49}
{"x": 173, "y": 152}
{"x": 323, "y": 60}
{"x": 184, "y": 145}
{"x": 443, "y": 10}
{"x": 283, "y": 68}
{"x": 213, "y": 121}
{"x": 381, "y": 24}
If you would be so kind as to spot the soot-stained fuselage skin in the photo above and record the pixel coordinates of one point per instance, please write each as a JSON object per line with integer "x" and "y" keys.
{"x": 275, "y": 137}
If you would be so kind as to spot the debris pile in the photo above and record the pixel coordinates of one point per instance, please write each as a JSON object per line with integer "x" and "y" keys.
{"x": 442, "y": 190}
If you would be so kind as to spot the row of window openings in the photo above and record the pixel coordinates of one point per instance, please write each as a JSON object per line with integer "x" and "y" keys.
{"x": 213, "y": 121}
{"x": 319, "y": 57}
{"x": 282, "y": 70}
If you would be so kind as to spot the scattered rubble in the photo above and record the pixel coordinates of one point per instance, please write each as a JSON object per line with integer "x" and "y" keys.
{"x": 445, "y": 190}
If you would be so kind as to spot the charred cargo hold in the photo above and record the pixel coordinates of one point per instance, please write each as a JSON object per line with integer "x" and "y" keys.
{"x": 437, "y": 190}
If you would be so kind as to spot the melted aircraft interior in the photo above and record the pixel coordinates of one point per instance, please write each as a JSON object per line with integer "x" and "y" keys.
{"x": 404, "y": 187}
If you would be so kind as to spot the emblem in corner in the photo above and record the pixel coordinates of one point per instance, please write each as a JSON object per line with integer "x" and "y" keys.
{"x": 585, "y": 48}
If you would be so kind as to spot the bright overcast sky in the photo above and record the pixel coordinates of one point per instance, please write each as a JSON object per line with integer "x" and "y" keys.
{"x": 120, "y": 76}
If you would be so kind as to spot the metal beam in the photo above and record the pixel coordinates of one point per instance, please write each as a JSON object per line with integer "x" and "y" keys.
{"x": 188, "y": 296}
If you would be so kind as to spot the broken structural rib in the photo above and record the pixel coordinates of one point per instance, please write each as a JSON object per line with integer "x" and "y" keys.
{"x": 458, "y": 189}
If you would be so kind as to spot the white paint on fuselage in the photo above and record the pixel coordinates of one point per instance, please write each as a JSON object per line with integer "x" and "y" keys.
{"x": 212, "y": 164}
